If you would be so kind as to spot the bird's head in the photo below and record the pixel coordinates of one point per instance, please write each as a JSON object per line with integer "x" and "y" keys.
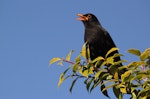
{"x": 88, "y": 19}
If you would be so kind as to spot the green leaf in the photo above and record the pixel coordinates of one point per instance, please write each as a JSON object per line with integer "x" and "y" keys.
{"x": 101, "y": 75}
{"x": 125, "y": 76}
{"x": 109, "y": 77}
{"x": 139, "y": 76}
{"x": 123, "y": 90}
{"x": 89, "y": 84}
{"x": 136, "y": 64}
{"x": 134, "y": 95}
{"x": 61, "y": 77}
{"x": 96, "y": 83}
{"x": 97, "y": 74}
{"x": 144, "y": 55}
{"x": 104, "y": 91}
{"x": 108, "y": 81}
{"x": 83, "y": 51}
{"x": 146, "y": 84}
{"x": 113, "y": 69}
{"x": 54, "y": 60}
{"x": 88, "y": 53}
{"x": 104, "y": 76}
{"x": 122, "y": 68}
{"x": 110, "y": 60}
{"x": 110, "y": 51}
{"x": 72, "y": 85}
{"x": 69, "y": 55}
{"x": 75, "y": 67}
{"x": 117, "y": 92}
{"x": 119, "y": 62}
{"x": 117, "y": 55}
{"x": 143, "y": 93}
{"x": 148, "y": 72}
{"x": 145, "y": 97}
{"x": 98, "y": 59}
{"x": 86, "y": 81}
{"x": 78, "y": 59}
{"x": 116, "y": 77}
{"x": 134, "y": 52}
{"x": 84, "y": 72}
{"x": 110, "y": 86}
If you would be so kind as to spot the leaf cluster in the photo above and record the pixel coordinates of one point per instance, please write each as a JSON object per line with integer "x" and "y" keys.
{"x": 105, "y": 73}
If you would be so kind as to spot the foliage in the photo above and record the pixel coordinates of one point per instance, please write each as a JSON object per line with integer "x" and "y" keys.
{"x": 135, "y": 81}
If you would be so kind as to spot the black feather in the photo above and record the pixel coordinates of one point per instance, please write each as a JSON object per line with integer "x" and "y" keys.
{"x": 97, "y": 38}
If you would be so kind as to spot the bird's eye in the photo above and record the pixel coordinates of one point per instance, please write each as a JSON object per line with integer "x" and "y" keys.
{"x": 89, "y": 16}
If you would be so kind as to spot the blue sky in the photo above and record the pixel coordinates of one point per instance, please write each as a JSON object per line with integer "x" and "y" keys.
{"x": 34, "y": 31}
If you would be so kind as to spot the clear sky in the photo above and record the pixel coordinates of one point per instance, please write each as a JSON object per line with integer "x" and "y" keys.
{"x": 34, "y": 31}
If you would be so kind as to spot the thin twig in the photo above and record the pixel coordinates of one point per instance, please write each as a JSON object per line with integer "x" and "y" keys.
{"x": 70, "y": 62}
{"x": 82, "y": 76}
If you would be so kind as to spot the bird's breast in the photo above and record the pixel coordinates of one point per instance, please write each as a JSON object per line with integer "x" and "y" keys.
{"x": 92, "y": 35}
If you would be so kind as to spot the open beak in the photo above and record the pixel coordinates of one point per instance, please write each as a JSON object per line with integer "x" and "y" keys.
{"x": 82, "y": 17}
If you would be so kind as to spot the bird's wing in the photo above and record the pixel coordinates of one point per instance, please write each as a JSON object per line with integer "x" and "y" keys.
{"x": 108, "y": 40}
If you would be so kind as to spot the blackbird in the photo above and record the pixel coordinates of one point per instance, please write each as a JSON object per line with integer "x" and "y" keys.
{"x": 96, "y": 37}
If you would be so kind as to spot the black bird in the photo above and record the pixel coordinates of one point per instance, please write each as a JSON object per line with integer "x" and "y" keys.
{"x": 96, "y": 37}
